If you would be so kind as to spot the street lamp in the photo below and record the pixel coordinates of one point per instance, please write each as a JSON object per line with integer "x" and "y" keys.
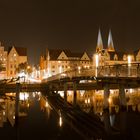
{"x": 129, "y": 64}
{"x": 129, "y": 60}
{"x": 96, "y": 64}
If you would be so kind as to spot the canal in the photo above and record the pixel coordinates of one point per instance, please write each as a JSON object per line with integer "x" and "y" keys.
{"x": 39, "y": 120}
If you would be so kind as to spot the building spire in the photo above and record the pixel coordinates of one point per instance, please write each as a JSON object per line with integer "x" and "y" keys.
{"x": 110, "y": 43}
{"x": 99, "y": 46}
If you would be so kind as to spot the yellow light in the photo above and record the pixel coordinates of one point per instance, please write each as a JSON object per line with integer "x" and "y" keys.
{"x": 46, "y": 105}
{"x": 60, "y": 121}
{"x": 79, "y": 68}
{"x": 129, "y": 60}
{"x": 69, "y": 93}
{"x": 23, "y": 96}
{"x": 109, "y": 100}
{"x": 28, "y": 67}
{"x": 88, "y": 100}
{"x": 60, "y": 69}
{"x": 97, "y": 60}
{"x": 85, "y": 101}
{"x": 61, "y": 93}
{"x": 3, "y": 113}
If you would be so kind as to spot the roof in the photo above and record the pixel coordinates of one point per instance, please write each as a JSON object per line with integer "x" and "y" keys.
{"x": 119, "y": 54}
{"x": 54, "y": 53}
{"x": 20, "y": 50}
{"x": 136, "y": 52}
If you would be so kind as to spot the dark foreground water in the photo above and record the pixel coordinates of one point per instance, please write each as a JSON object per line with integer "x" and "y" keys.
{"x": 38, "y": 126}
{"x": 42, "y": 123}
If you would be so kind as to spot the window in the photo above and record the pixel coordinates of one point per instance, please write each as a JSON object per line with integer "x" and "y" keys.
{"x": 11, "y": 66}
{"x": 11, "y": 72}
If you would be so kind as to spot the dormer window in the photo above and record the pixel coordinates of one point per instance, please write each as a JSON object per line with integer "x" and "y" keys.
{"x": 115, "y": 57}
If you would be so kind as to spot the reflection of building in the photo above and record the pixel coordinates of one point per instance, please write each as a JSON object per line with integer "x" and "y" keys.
{"x": 16, "y": 56}
{"x": 7, "y": 108}
{"x": 57, "y": 61}
{"x": 7, "y": 111}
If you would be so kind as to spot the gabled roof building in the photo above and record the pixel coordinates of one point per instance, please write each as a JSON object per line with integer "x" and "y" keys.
{"x": 57, "y": 60}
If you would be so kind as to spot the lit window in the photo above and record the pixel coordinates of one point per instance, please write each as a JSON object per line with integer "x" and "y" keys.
{"x": 11, "y": 72}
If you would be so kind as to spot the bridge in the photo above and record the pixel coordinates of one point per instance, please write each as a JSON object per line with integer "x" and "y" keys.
{"x": 96, "y": 78}
{"x": 119, "y": 76}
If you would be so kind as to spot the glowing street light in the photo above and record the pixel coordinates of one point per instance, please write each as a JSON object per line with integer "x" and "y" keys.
{"x": 129, "y": 60}
{"x": 96, "y": 64}
{"x": 96, "y": 60}
{"x": 129, "y": 64}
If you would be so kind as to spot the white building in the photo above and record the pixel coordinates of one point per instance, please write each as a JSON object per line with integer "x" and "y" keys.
{"x": 16, "y": 56}
{"x": 57, "y": 61}
{"x": 3, "y": 61}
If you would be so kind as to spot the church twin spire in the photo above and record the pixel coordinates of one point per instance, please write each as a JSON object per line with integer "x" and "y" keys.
{"x": 110, "y": 47}
{"x": 99, "y": 46}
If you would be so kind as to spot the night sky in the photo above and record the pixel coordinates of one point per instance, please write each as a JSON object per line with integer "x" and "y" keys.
{"x": 71, "y": 24}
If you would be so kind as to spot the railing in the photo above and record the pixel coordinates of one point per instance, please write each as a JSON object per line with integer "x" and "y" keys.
{"x": 119, "y": 70}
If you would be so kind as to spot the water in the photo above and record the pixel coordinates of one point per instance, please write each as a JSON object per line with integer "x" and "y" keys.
{"x": 38, "y": 120}
{"x": 37, "y": 123}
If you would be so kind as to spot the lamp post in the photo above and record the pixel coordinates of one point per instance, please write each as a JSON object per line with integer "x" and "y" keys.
{"x": 129, "y": 65}
{"x": 96, "y": 64}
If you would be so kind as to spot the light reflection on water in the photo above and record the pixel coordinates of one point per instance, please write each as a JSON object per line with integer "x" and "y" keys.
{"x": 88, "y": 101}
{"x": 37, "y": 119}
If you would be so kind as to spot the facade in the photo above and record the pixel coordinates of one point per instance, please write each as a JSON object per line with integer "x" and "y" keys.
{"x": 58, "y": 61}
{"x": 3, "y": 61}
{"x": 109, "y": 56}
{"x": 16, "y": 56}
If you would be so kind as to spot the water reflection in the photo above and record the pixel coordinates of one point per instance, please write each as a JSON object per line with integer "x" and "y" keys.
{"x": 36, "y": 112}
{"x": 60, "y": 119}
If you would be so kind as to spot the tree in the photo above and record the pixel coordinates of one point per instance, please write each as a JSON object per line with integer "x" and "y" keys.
{"x": 22, "y": 67}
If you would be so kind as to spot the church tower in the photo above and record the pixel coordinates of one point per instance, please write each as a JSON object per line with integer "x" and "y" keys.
{"x": 110, "y": 47}
{"x": 99, "y": 46}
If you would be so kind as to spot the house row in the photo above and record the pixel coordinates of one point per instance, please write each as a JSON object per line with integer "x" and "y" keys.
{"x": 56, "y": 61}
{"x": 10, "y": 60}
